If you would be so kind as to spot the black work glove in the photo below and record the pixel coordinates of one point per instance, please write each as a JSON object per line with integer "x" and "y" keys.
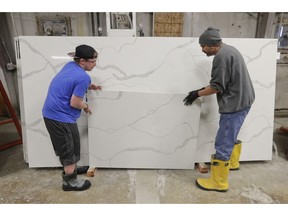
{"x": 192, "y": 96}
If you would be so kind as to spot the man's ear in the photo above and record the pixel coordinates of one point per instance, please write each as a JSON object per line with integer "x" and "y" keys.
{"x": 82, "y": 61}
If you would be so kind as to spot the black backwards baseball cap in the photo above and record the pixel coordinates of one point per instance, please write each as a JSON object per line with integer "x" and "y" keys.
{"x": 210, "y": 36}
{"x": 84, "y": 51}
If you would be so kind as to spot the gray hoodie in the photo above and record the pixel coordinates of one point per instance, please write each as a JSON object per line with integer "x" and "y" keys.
{"x": 230, "y": 76}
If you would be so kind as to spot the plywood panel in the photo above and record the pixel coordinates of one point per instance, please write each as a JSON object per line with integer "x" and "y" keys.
{"x": 168, "y": 24}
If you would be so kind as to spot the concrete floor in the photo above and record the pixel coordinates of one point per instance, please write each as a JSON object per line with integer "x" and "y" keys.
{"x": 263, "y": 182}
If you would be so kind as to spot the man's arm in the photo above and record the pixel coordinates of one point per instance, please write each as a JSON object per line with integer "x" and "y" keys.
{"x": 208, "y": 90}
{"x": 78, "y": 103}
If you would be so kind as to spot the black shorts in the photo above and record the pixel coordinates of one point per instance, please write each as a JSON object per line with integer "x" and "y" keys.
{"x": 65, "y": 139}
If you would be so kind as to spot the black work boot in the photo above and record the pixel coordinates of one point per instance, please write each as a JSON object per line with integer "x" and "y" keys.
{"x": 82, "y": 169}
{"x": 72, "y": 183}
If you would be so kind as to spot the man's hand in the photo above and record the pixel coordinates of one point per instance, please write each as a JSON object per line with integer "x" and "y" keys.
{"x": 87, "y": 110}
{"x": 191, "y": 97}
{"x": 94, "y": 87}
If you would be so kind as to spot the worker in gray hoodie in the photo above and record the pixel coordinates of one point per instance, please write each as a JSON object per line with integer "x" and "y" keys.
{"x": 231, "y": 83}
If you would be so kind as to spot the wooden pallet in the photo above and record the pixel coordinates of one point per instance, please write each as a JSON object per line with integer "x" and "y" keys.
{"x": 202, "y": 167}
{"x": 91, "y": 172}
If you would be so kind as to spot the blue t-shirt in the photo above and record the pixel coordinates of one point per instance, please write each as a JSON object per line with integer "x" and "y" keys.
{"x": 71, "y": 80}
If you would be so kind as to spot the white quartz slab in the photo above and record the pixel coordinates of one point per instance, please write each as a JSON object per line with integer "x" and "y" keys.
{"x": 148, "y": 68}
{"x": 142, "y": 130}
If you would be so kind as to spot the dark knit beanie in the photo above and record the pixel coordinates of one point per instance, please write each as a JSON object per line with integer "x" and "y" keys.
{"x": 210, "y": 36}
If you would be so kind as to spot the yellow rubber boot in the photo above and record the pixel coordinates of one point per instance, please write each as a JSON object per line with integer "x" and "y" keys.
{"x": 218, "y": 180}
{"x": 235, "y": 156}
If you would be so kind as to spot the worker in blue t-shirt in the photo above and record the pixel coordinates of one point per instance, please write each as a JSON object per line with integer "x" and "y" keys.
{"x": 62, "y": 108}
{"x": 231, "y": 82}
